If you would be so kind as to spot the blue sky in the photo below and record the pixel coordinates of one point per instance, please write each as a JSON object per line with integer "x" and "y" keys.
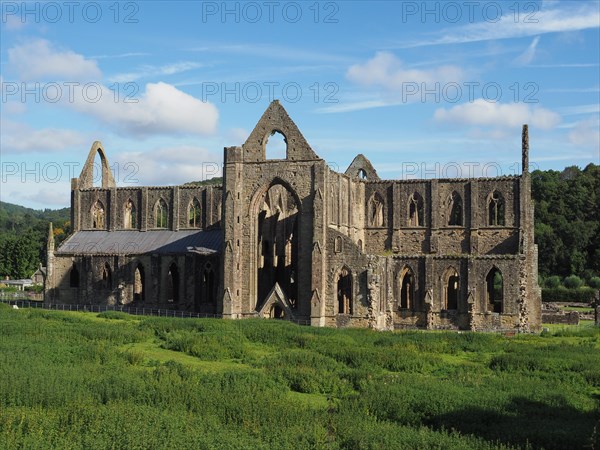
{"x": 423, "y": 89}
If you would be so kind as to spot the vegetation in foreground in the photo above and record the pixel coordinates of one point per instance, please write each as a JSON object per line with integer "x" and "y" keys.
{"x": 81, "y": 380}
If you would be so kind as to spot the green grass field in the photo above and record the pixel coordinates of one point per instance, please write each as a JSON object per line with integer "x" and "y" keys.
{"x": 110, "y": 380}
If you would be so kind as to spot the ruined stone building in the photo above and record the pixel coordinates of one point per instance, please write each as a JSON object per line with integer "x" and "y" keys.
{"x": 291, "y": 238}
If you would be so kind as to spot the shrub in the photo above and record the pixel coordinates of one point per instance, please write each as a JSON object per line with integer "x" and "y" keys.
{"x": 561, "y": 294}
{"x": 573, "y": 282}
{"x": 552, "y": 282}
{"x": 594, "y": 282}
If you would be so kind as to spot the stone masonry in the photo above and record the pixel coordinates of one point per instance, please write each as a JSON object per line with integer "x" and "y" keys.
{"x": 284, "y": 238}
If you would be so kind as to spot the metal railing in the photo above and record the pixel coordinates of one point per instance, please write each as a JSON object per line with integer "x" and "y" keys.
{"x": 133, "y": 310}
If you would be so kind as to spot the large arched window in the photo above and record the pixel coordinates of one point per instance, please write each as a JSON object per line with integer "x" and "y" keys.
{"x": 161, "y": 214}
{"x": 129, "y": 215}
{"x": 407, "y": 288}
{"x": 455, "y": 209}
{"x": 376, "y": 211}
{"x": 173, "y": 284}
{"x": 106, "y": 277}
{"x": 194, "y": 214}
{"x": 415, "y": 210}
{"x": 344, "y": 291}
{"x": 276, "y": 145}
{"x": 74, "y": 277}
{"x": 98, "y": 215}
{"x": 451, "y": 288}
{"x": 495, "y": 290}
{"x": 496, "y": 209}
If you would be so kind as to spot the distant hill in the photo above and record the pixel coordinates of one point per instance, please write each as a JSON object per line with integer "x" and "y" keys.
{"x": 23, "y": 235}
{"x": 217, "y": 181}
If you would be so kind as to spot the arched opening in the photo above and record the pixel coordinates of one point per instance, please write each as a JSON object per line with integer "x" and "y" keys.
{"x": 451, "y": 289}
{"x": 194, "y": 214}
{"x": 455, "y": 210}
{"x": 98, "y": 215}
{"x": 277, "y": 243}
{"x": 173, "y": 284}
{"x": 276, "y": 146}
{"x": 407, "y": 289}
{"x": 360, "y": 245}
{"x": 376, "y": 211}
{"x": 277, "y": 312}
{"x": 98, "y": 169}
{"x": 415, "y": 210}
{"x": 106, "y": 277}
{"x": 496, "y": 209}
{"x": 129, "y": 215}
{"x": 362, "y": 174}
{"x": 208, "y": 282}
{"x": 161, "y": 214}
{"x": 344, "y": 291}
{"x": 337, "y": 245}
{"x": 138, "y": 284}
{"x": 74, "y": 277}
{"x": 495, "y": 290}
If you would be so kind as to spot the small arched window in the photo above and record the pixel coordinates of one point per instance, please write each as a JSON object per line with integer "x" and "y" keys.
{"x": 362, "y": 174}
{"x": 98, "y": 215}
{"x": 376, "y": 211}
{"x": 106, "y": 277}
{"x": 337, "y": 246}
{"x": 74, "y": 277}
{"x": 344, "y": 291}
{"x": 161, "y": 214}
{"x": 276, "y": 145}
{"x": 451, "y": 289}
{"x": 495, "y": 290}
{"x": 496, "y": 209}
{"x": 415, "y": 210}
{"x": 208, "y": 279}
{"x": 129, "y": 215}
{"x": 138, "y": 284}
{"x": 407, "y": 288}
{"x": 194, "y": 214}
{"x": 172, "y": 284}
{"x": 455, "y": 209}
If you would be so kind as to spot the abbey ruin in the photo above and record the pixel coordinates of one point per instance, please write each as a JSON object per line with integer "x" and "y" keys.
{"x": 291, "y": 238}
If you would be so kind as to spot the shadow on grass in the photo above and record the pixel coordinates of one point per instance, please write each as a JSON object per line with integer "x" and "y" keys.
{"x": 525, "y": 422}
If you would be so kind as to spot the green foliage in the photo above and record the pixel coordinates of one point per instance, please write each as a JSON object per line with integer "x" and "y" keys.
{"x": 23, "y": 236}
{"x": 562, "y": 294}
{"x": 76, "y": 380}
{"x": 567, "y": 220}
{"x": 573, "y": 282}
{"x": 216, "y": 181}
{"x": 594, "y": 282}
{"x": 552, "y": 282}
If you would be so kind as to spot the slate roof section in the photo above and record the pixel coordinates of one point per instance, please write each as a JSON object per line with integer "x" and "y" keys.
{"x": 124, "y": 242}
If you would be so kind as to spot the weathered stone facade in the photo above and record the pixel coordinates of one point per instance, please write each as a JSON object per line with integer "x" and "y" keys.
{"x": 293, "y": 238}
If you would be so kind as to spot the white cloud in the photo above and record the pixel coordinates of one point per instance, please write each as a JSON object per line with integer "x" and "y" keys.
{"x": 13, "y": 22}
{"x": 55, "y": 195}
{"x": 586, "y": 133}
{"x": 147, "y": 71}
{"x": 20, "y": 138}
{"x": 39, "y": 60}
{"x": 170, "y": 165}
{"x": 385, "y": 70}
{"x": 497, "y": 115}
{"x": 592, "y": 108}
{"x": 527, "y": 56}
{"x": 162, "y": 108}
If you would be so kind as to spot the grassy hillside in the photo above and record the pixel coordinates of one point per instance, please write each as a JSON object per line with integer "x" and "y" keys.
{"x": 77, "y": 380}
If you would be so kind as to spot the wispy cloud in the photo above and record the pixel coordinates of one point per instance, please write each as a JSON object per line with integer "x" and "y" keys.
{"x": 527, "y": 56}
{"x": 593, "y": 108}
{"x": 149, "y": 71}
{"x": 40, "y": 60}
{"x": 578, "y": 16}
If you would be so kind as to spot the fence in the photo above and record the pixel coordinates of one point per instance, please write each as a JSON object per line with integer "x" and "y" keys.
{"x": 138, "y": 311}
